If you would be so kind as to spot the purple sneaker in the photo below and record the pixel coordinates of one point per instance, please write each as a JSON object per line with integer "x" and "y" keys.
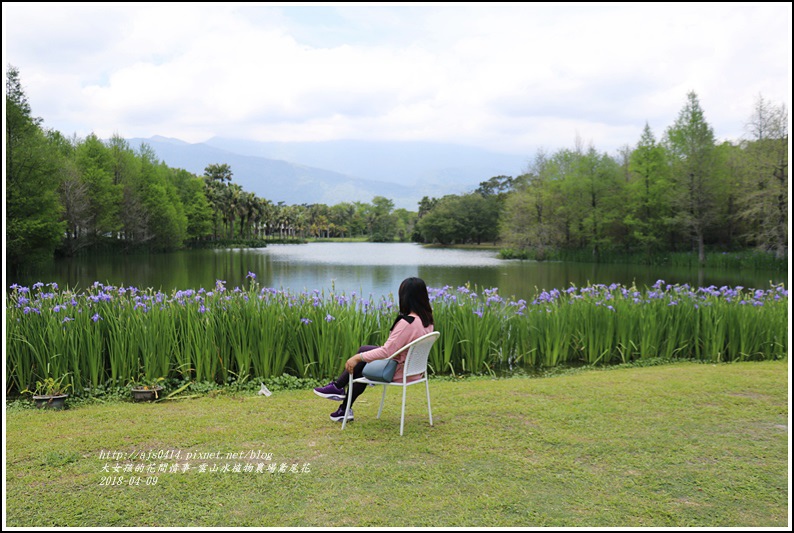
{"x": 331, "y": 392}
{"x": 338, "y": 415}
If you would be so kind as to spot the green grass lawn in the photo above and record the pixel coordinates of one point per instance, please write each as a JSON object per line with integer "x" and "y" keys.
{"x": 680, "y": 445}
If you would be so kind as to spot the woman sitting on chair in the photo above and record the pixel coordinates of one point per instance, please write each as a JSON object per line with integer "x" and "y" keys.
{"x": 415, "y": 320}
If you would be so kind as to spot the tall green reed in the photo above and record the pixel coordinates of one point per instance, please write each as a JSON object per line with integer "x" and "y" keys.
{"x": 550, "y": 335}
{"x": 121, "y": 347}
{"x": 117, "y": 334}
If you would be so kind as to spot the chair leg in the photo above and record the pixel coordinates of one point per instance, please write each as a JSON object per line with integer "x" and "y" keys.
{"x": 382, "y": 399}
{"x": 429, "y": 412}
{"x": 402, "y": 415}
{"x": 349, "y": 399}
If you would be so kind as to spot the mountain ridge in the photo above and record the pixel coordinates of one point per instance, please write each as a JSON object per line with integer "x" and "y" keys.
{"x": 331, "y": 172}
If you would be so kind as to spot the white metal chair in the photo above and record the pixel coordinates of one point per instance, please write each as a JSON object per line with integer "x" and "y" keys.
{"x": 415, "y": 363}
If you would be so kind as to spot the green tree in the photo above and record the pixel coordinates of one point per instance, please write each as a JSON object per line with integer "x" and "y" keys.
{"x": 246, "y": 209}
{"x": 95, "y": 165}
{"x": 566, "y": 197}
{"x": 382, "y": 221}
{"x": 342, "y": 219}
{"x": 231, "y": 196}
{"x": 34, "y": 225}
{"x": 290, "y": 220}
{"x": 728, "y": 230}
{"x": 359, "y": 225}
{"x": 647, "y": 215}
{"x": 220, "y": 172}
{"x": 764, "y": 207}
{"x": 426, "y": 205}
{"x": 319, "y": 220}
{"x": 126, "y": 176}
{"x": 443, "y": 224}
{"x": 496, "y": 186}
{"x": 73, "y": 195}
{"x": 216, "y": 176}
{"x": 405, "y": 222}
{"x": 164, "y": 216}
{"x": 124, "y": 162}
{"x": 495, "y": 192}
{"x": 481, "y": 217}
{"x": 690, "y": 145}
{"x": 198, "y": 211}
{"x": 269, "y": 217}
{"x": 461, "y": 219}
{"x": 260, "y": 212}
{"x": 533, "y": 213}
{"x": 598, "y": 178}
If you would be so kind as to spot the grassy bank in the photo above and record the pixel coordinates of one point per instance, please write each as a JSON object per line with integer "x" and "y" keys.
{"x": 681, "y": 445}
{"x": 746, "y": 259}
{"x": 468, "y": 246}
{"x": 242, "y": 243}
{"x": 359, "y": 238}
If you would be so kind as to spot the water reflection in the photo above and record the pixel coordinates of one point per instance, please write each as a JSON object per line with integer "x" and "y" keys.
{"x": 366, "y": 268}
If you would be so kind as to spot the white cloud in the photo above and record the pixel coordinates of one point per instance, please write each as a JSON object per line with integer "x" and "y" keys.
{"x": 507, "y": 76}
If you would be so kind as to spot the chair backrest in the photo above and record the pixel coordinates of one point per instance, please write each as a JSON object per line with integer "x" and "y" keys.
{"x": 418, "y": 351}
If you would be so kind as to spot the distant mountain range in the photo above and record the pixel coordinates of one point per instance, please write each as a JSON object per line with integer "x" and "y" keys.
{"x": 341, "y": 171}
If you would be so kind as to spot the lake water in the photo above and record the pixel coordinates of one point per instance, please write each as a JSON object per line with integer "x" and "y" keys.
{"x": 366, "y": 268}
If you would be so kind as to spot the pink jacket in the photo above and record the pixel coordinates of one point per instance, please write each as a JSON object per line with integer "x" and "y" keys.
{"x": 402, "y": 334}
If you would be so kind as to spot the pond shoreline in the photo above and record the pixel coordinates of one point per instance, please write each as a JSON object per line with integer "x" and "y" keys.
{"x": 368, "y": 268}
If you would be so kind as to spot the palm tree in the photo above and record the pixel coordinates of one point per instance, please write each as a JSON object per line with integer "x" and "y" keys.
{"x": 257, "y": 214}
{"x": 215, "y": 177}
{"x": 270, "y": 217}
{"x": 245, "y": 209}
{"x": 299, "y": 220}
{"x": 284, "y": 219}
{"x": 214, "y": 192}
{"x": 231, "y": 201}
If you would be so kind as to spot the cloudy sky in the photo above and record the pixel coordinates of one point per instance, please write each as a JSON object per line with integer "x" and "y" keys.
{"x": 510, "y": 77}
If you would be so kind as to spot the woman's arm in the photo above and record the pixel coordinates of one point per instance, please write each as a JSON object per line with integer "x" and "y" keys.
{"x": 399, "y": 337}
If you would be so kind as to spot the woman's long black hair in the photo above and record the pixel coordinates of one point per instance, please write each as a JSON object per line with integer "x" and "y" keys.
{"x": 413, "y": 297}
